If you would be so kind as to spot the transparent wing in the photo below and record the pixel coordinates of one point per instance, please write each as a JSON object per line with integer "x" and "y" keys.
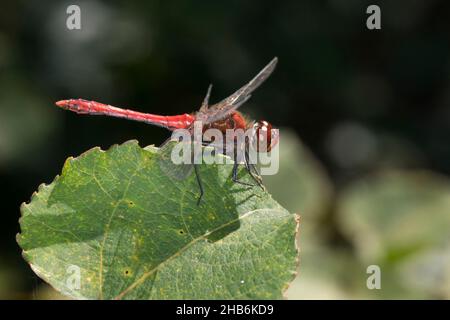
{"x": 172, "y": 170}
{"x": 205, "y": 104}
{"x": 177, "y": 158}
{"x": 222, "y": 109}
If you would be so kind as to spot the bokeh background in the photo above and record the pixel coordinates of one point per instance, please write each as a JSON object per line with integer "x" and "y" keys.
{"x": 364, "y": 118}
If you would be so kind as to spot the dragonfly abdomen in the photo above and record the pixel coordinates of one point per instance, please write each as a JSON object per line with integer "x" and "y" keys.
{"x": 82, "y": 106}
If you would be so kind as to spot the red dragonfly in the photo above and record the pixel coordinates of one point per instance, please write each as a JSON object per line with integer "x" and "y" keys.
{"x": 221, "y": 116}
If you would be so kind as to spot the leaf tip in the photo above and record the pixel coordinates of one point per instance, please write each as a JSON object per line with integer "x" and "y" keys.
{"x": 287, "y": 285}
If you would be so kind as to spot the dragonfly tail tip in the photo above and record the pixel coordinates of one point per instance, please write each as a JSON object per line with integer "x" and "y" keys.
{"x": 61, "y": 103}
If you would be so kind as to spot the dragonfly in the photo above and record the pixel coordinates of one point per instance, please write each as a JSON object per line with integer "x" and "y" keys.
{"x": 222, "y": 116}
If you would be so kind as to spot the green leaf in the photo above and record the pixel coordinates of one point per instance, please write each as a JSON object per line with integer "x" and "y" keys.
{"x": 395, "y": 213}
{"x": 134, "y": 232}
{"x": 399, "y": 220}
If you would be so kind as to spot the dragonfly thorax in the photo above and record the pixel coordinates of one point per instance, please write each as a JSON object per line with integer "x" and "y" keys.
{"x": 234, "y": 121}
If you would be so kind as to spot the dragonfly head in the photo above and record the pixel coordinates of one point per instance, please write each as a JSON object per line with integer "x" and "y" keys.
{"x": 266, "y": 137}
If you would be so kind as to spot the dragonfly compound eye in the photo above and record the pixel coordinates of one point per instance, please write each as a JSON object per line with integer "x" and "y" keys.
{"x": 263, "y": 132}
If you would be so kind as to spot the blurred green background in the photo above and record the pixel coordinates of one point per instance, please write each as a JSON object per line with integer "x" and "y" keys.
{"x": 364, "y": 119}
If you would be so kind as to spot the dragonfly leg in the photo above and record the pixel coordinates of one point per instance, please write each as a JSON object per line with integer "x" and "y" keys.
{"x": 200, "y": 185}
{"x": 235, "y": 172}
{"x": 235, "y": 177}
{"x": 255, "y": 175}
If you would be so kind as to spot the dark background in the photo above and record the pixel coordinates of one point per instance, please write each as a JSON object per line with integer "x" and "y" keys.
{"x": 361, "y": 100}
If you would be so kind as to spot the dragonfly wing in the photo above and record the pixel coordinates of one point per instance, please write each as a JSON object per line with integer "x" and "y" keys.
{"x": 228, "y": 105}
{"x": 177, "y": 171}
{"x": 171, "y": 169}
{"x": 205, "y": 103}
